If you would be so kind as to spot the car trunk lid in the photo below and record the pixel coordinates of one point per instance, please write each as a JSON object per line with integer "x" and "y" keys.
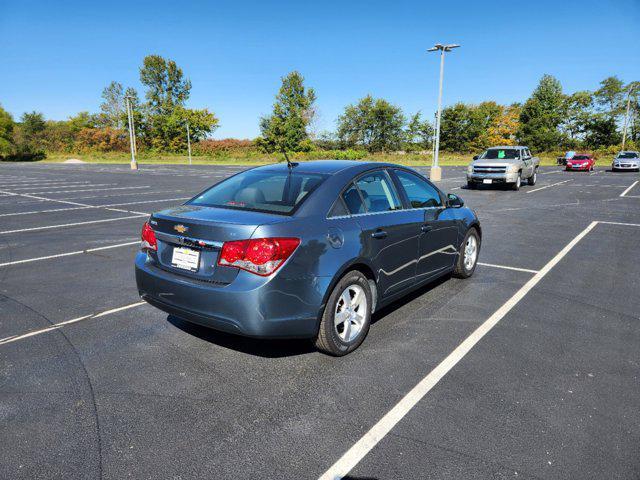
{"x": 190, "y": 238}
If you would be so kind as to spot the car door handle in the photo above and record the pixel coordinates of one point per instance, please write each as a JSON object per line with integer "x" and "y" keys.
{"x": 426, "y": 228}
{"x": 379, "y": 234}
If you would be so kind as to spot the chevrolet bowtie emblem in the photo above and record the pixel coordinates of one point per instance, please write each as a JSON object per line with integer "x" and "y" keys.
{"x": 180, "y": 228}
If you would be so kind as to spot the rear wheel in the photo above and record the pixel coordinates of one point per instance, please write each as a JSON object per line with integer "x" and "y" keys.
{"x": 347, "y": 315}
{"x": 468, "y": 254}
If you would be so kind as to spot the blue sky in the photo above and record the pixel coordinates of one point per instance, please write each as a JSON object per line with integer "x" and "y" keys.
{"x": 56, "y": 57}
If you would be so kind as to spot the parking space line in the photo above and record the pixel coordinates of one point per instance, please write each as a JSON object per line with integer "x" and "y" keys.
{"x": 91, "y": 190}
{"x": 629, "y": 188}
{"x": 68, "y": 254}
{"x": 515, "y": 269}
{"x": 29, "y": 195}
{"x": 64, "y": 185}
{"x": 91, "y": 222}
{"x": 54, "y": 210}
{"x": 56, "y": 326}
{"x": 548, "y": 186}
{"x": 369, "y": 440}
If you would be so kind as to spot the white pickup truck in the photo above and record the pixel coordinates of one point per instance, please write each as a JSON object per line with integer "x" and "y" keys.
{"x": 509, "y": 165}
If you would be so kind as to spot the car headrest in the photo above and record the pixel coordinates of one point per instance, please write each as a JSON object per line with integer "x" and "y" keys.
{"x": 250, "y": 195}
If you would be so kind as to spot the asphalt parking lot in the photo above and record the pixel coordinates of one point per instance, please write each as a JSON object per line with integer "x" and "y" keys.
{"x": 530, "y": 369}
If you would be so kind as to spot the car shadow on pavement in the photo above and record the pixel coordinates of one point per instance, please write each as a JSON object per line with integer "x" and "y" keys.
{"x": 268, "y": 348}
{"x": 408, "y": 298}
{"x": 277, "y": 348}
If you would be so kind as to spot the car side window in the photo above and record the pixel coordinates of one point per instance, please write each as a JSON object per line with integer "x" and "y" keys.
{"x": 421, "y": 193}
{"x": 378, "y": 192}
{"x": 338, "y": 209}
{"x": 352, "y": 200}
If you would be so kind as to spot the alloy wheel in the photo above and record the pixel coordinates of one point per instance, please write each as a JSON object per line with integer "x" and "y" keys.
{"x": 350, "y": 313}
{"x": 470, "y": 252}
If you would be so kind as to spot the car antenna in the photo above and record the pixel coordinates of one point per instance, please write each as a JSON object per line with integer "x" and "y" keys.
{"x": 290, "y": 164}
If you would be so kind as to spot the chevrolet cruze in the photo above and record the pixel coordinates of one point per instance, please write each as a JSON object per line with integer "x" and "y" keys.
{"x": 305, "y": 250}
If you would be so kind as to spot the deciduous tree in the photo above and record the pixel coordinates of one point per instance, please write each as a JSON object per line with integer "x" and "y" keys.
{"x": 286, "y": 129}
{"x": 374, "y": 124}
{"x": 541, "y": 116}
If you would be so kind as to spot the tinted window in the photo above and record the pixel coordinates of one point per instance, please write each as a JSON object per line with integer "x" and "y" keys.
{"x": 420, "y": 192}
{"x": 338, "y": 209}
{"x": 628, "y": 155}
{"x": 352, "y": 199}
{"x": 378, "y": 193}
{"x": 581, "y": 157}
{"x": 272, "y": 192}
{"x": 500, "y": 153}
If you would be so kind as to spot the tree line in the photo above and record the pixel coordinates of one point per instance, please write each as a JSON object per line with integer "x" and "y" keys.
{"x": 549, "y": 120}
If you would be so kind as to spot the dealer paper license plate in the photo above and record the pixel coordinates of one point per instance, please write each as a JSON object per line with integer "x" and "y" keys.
{"x": 185, "y": 258}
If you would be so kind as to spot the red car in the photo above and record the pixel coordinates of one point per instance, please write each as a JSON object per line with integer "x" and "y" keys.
{"x": 582, "y": 162}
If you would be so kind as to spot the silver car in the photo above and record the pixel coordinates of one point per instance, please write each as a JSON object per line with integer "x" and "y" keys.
{"x": 626, "y": 160}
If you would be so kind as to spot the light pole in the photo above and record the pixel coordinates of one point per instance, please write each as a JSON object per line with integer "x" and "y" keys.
{"x": 132, "y": 135}
{"x": 189, "y": 143}
{"x": 626, "y": 116}
{"x": 436, "y": 171}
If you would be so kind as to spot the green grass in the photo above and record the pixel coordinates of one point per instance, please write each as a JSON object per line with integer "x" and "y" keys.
{"x": 409, "y": 159}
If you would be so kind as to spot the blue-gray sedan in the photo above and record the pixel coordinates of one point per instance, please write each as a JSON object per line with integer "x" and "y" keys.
{"x": 307, "y": 250}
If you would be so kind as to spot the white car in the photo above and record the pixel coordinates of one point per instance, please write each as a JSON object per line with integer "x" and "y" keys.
{"x": 626, "y": 160}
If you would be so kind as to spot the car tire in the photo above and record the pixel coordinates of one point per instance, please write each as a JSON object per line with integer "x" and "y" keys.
{"x": 468, "y": 254}
{"x": 471, "y": 186}
{"x": 517, "y": 184}
{"x": 533, "y": 178}
{"x": 337, "y": 337}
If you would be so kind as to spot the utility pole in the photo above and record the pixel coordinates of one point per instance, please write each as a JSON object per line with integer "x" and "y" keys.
{"x": 132, "y": 136}
{"x": 436, "y": 171}
{"x": 189, "y": 143}
{"x": 626, "y": 116}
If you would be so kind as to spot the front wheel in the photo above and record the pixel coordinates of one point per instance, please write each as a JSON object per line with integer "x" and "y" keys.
{"x": 533, "y": 178}
{"x": 517, "y": 184}
{"x": 347, "y": 315}
{"x": 468, "y": 254}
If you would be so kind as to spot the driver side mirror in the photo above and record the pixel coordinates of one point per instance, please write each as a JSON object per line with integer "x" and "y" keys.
{"x": 475, "y": 157}
{"x": 454, "y": 201}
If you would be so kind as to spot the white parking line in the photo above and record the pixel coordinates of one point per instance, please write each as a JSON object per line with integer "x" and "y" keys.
{"x": 15, "y": 338}
{"x": 31, "y": 183}
{"x": 54, "y": 210}
{"x": 369, "y": 440}
{"x": 68, "y": 254}
{"x": 515, "y": 269}
{"x": 29, "y": 195}
{"x": 629, "y": 188}
{"x": 49, "y": 227}
{"x": 91, "y": 190}
{"x": 65, "y": 185}
{"x": 548, "y": 186}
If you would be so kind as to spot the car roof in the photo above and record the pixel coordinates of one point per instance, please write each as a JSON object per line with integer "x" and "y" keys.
{"x": 326, "y": 166}
{"x": 506, "y": 146}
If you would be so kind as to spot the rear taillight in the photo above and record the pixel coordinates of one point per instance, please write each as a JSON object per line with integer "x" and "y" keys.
{"x": 149, "y": 241}
{"x": 261, "y": 256}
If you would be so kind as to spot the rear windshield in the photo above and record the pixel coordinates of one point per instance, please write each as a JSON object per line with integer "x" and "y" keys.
{"x": 500, "y": 153}
{"x": 262, "y": 191}
{"x": 628, "y": 155}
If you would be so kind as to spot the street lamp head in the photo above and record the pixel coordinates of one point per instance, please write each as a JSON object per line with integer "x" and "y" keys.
{"x": 444, "y": 48}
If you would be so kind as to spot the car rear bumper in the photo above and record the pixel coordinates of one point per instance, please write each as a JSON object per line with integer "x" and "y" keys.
{"x": 255, "y": 307}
